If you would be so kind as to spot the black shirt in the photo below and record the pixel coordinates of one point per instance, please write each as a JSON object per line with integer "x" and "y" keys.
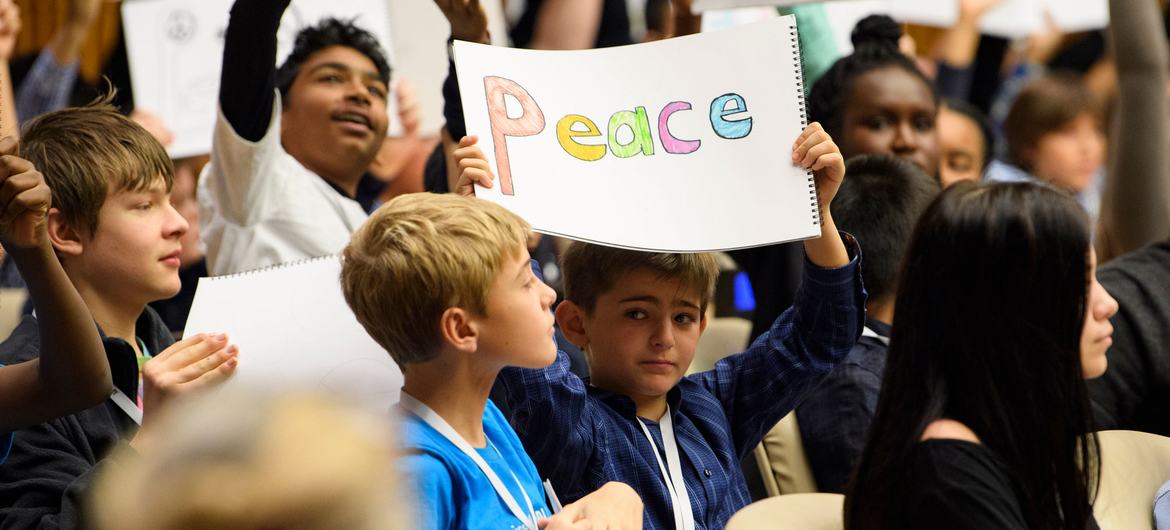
{"x": 1134, "y": 393}
{"x": 959, "y": 485}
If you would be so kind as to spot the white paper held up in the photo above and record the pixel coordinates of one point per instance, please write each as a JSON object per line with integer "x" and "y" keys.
{"x": 679, "y": 145}
{"x": 295, "y": 332}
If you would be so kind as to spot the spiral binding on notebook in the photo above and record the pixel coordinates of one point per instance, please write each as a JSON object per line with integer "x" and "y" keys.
{"x": 798, "y": 69}
{"x": 285, "y": 265}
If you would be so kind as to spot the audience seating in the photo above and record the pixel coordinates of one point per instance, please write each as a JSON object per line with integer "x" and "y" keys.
{"x": 801, "y": 511}
{"x": 783, "y": 464}
{"x": 1133, "y": 466}
{"x": 11, "y": 310}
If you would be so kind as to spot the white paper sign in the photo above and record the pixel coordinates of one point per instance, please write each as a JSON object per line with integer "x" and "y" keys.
{"x": 1011, "y": 18}
{"x": 679, "y": 145}
{"x": 295, "y": 332}
{"x": 175, "y": 49}
{"x": 699, "y": 6}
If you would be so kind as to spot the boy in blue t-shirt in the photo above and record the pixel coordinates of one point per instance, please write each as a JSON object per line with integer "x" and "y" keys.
{"x": 444, "y": 283}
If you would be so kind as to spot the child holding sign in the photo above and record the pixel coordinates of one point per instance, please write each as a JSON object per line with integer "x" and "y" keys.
{"x": 638, "y": 316}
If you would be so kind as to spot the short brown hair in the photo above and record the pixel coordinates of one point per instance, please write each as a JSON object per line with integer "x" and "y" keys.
{"x": 1043, "y": 106}
{"x": 590, "y": 270}
{"x": 419, "y": 255}
{"x": 86, "y": 152}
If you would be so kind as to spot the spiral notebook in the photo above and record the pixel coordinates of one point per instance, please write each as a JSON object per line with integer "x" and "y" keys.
{"x": 295, "y": 332}
{"x": 679, "y": 145}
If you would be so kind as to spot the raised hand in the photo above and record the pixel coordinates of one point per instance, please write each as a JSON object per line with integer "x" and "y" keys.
{"x": 24, "y": 200}
{"x": 473, "y": 167}
{"x": 815, "y": 150}
{"x": 9, "y": 27}
{"x": 468, "y": 20}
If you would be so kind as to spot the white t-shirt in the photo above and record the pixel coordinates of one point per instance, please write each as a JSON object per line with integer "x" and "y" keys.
{"x": 259, "y": 207}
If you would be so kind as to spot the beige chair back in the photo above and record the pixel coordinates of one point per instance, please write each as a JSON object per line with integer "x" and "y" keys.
{"x": 11, "y": 304}
{"x": 723, "y": 336}
{"x": 783, "y": 464}
{"x": 1133, "y": 466}
{"x": 802, "y": 511}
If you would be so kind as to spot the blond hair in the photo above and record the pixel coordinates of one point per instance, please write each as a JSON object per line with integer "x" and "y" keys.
{"x": 419, "y": 255}
{"x": 590, "y": 270}
{"x": 255, "y": 462}
{"x": 87, "y": 152}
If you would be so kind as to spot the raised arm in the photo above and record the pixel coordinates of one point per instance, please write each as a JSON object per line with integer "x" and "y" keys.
{"x": 9, "y": 29}
{"x": 50, "y": 81}
{"x": 1135, "y": 207}
{"x": 248, "y": 77}
{"x": 72, "y": 373}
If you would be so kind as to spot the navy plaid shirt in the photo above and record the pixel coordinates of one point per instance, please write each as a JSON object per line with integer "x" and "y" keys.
{"x": 582, "y": 437}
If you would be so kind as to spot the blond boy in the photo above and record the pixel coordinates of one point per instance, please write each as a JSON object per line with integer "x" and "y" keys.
{"x": 445, "y": 284}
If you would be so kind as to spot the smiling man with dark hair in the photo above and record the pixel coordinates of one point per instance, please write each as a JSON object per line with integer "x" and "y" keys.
{"x": 290, "y": 144}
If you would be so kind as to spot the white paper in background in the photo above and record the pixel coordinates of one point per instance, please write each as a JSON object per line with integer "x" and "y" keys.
{"x": 1012, "y": 18}
{"x": 1078, "y": 15}
{"x": 175, "y": 49}
{"x": 843, "y": 16}
{"x": 295, "y": 332}
{"x": 726, "y": 194}
{"x": 699, "y": 6}
{"x": 718, "y": 19}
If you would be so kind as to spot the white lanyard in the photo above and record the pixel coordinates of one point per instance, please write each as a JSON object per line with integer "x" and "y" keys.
{"x": 432, "y": 418}
{"x": 866, "y": 332}
{"x": 129, "y": 407}
{"x": 684, "y": 518}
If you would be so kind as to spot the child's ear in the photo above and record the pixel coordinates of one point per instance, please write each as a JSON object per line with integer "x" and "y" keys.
{"x": 571, "y": 319}
{"x": 703, "y": 322}
{"x": 65, "y": 239}
{"x": 457, "y": 330}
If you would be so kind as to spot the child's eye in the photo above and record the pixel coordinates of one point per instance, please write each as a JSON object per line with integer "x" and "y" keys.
{"x": 684, "y": 318}
{"x": 877, "y": 122}
{"x": 330, "y": 78}
{"x": 636, "y": 314}
{"x": 377, "y": 91}
{"x": 144, "y": 206}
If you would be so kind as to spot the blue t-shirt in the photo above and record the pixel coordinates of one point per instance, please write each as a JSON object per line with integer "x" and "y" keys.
{"x": 453, "y": 493}
{"x": 6, "y": 439}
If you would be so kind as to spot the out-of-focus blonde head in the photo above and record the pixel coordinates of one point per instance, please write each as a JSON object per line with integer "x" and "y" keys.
{"x": 264, "y": 462}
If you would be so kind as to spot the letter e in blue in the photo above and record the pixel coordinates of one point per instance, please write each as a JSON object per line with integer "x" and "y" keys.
{"x": 725, "y": 128}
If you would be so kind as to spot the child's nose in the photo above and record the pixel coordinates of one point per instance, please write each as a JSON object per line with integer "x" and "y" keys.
{"x": 663, "y": 335}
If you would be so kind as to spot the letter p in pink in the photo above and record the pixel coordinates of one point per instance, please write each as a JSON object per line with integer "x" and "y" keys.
{"x": 530, "y": 122}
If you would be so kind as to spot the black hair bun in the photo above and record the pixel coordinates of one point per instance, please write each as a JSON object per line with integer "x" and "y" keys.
{"x": 878, "y": 31}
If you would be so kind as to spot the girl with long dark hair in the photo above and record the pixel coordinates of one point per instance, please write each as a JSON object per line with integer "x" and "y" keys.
{"x": 983, "y": 419}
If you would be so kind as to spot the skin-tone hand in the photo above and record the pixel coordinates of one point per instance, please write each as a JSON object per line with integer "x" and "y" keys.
{"x": 973, "y": 10}
{"x": 814, "y": 150}
{"x": 153, "y": 125}
{"x": 24, "y": 200}
{"x": 468, "y": 20}
{"x": 190, "y": 365}
{"x": 9, "y": 27}
{"x": 70, "y": 37}
{"x": 408, "y": 107}
{"x": 614, "y": 506}
{"x": 473, "y": 167}
{"x": 82, "y": 13}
